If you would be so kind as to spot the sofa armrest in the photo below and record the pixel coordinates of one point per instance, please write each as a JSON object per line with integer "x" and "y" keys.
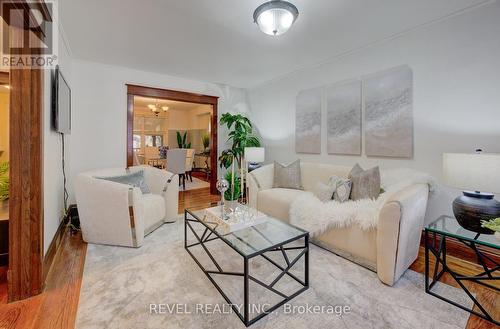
{"x": 104, "y": 210}
{"x": 399, "y": 230}
{"x": 258, "y": 180}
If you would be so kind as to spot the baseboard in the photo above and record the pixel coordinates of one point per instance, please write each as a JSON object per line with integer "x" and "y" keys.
{"x": 53, "y": 247}
{"x": 459, "y": 250}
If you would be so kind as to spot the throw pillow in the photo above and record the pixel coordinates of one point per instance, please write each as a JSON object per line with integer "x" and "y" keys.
{"x": 135, "y": 179}
{"x": 287, "y": 176}
{"x": 323, "y": 191}
{"x": 342, "y": 188}
{"x": 365, "y": 183}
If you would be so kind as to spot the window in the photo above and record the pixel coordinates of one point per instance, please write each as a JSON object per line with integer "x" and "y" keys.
{"x": 137, "y": 142}
{"x": 154, "y": 140}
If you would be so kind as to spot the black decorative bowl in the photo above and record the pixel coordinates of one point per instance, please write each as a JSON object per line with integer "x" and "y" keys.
{"x": 471, "y": 208}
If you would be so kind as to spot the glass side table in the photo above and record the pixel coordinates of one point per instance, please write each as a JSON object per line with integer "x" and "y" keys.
{"x": 436, "y": 234}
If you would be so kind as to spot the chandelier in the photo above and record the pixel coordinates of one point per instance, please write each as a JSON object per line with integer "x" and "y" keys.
{"x": 275, "y": 17}
{"x": 157, "y": 108}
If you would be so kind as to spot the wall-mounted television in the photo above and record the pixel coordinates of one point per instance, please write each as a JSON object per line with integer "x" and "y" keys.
{"x": 61, "y": 103}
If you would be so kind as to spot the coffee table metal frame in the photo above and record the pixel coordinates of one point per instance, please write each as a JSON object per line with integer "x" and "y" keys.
{"x": 209, "y": 234}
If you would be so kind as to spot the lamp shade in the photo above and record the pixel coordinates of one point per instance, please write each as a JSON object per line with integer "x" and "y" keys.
{"x": 473, "y": 171}
{"x": 255, "y": 154}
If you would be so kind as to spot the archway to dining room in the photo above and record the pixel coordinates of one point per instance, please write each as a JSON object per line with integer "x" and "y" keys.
{"x": 162, "y": 119}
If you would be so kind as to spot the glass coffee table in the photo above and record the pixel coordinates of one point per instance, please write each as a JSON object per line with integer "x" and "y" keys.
{"x": 266, "y": 241}
{"x": 436, "y": 235}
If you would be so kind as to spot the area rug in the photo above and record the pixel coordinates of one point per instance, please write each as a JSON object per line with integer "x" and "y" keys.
{"x": 195, "y": 184}
{"x": 160, "y": 286}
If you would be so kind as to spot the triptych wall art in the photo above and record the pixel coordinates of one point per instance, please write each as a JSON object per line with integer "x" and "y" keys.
{"x": 385, "y": 99}
{"x": 308, "y": 122}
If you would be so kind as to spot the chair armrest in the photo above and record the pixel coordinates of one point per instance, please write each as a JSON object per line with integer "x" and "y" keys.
{"x": 399, "y": 229}
{"x": 104, "y": 210}
{"x": 258, "y": 180}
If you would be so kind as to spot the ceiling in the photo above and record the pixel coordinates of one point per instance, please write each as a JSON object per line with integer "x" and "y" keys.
{"x": 217, "y": 41}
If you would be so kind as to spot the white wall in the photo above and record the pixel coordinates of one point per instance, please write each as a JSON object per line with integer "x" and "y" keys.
{"x": 52, "y": 165}
{"x": 99, "y": 133}
{"x": 456, "y": 66}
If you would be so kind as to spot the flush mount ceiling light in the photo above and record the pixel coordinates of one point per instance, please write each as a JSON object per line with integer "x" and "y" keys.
{"x": 275, "y": 17}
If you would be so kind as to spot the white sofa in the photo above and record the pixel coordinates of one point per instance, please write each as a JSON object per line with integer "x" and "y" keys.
{"x": 117, "y": 214}
{"x": 389, "y": 249}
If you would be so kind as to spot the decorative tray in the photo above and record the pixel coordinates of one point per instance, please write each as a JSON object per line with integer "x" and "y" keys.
{"x": 239, "y": 218}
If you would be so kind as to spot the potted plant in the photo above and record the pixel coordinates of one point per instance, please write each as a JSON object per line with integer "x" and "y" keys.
{"x": 494, "y": 225}
{"x": 182, "y": 140}
{"x": 240, "y": 136}
{"x": 205, "y": 140}
{"x": 4, "y": 181}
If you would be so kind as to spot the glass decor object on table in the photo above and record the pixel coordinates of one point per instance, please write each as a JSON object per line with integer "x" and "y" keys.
{"x": 273, "y": 244}
{"x": 234, "y": 218}
{"x": 436, "y": 236}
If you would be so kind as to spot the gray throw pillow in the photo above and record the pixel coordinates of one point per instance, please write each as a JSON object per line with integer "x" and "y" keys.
{"x": 287, "y": 176}
{"x": 135, "y": 179}
{"x": 324, "y": 192}
{"x": 365, "y": 183}
{"x": 342, "y": 188}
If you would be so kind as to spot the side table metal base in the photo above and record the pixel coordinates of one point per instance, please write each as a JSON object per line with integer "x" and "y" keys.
{"x": 489, "y": 274}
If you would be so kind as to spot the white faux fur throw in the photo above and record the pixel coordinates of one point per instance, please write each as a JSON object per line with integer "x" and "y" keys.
{"x": 317, "y": 217}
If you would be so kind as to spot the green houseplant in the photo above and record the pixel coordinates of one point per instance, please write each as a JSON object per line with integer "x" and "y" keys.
{"x": 4, "y": 181}
{"x": 205, "y": 140}
{"x": 494, "y": 225}
{"x": 182, "y": 140}
{"x": 240, "y": 136}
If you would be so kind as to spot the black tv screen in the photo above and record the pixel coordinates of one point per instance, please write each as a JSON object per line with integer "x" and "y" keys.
{"x": 61, "y": 103}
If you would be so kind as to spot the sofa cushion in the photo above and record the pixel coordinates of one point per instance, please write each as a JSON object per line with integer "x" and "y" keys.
{"x": 276, "y": 202}
{"x": 153, "y": 211}
{"x": 288, "y": 176}
{"x": 365, "y": 183}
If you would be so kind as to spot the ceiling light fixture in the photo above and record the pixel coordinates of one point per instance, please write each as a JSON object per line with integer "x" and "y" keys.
{"x": 157, "y": 108}
{"x": 275, "y": 17}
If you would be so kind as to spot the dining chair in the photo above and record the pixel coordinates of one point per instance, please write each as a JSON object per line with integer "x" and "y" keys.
{"x": 189, "y": 163}
{"x": 176, "y": 164}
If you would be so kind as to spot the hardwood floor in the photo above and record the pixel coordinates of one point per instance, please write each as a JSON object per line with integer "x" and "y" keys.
{"x": 197, "y": 199}
{"x": 57, "y": 306}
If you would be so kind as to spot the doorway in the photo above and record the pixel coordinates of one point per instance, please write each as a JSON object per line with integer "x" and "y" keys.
{"x": 162, "y": 119}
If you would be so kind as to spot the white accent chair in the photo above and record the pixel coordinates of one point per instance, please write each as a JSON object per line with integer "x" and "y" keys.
{"x": 118, "y": 214}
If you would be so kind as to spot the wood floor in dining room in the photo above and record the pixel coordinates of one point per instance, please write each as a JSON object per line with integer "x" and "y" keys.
{"x": 57, "y": 306}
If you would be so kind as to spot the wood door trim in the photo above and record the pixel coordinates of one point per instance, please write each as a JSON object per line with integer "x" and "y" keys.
{"x": 4, "y": 78}
{"x": 25, "y": 274}
{"x": 175, "y": 95}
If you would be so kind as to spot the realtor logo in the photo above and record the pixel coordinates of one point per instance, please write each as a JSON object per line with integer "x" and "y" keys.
{"x": 28, "y": 35}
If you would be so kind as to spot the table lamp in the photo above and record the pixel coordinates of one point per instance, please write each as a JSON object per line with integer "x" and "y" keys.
{"x": 254, "y": 156}
{"x": 478, "y": 174}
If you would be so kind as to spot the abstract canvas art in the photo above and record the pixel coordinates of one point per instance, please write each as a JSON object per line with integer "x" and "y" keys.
{"x": 344, "y": 118}
{"x": 308, "y": 122}
{"x": 389, "y": 113}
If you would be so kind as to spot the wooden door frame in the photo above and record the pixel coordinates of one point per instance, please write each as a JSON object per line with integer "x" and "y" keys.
{"x": 174, "y": 95}
{"x": 25, "y": 272}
